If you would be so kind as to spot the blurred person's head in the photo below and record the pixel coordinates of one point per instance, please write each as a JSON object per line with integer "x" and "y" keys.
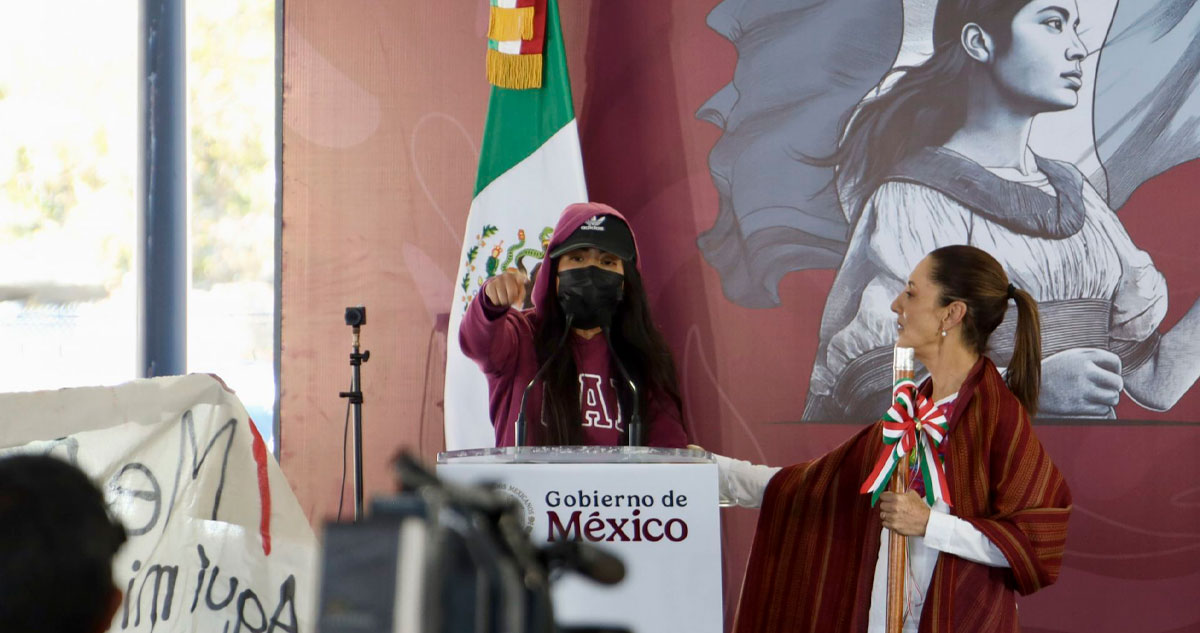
{"x": 57, "y": 543}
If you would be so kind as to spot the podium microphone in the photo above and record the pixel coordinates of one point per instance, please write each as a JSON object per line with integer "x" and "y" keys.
{"x": 519, "y": 440}
{"x": 634, "y": 438}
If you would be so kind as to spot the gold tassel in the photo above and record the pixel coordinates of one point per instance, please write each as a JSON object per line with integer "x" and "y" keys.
{"x": 516, "y": 72}
{"x": 506, "y": 25}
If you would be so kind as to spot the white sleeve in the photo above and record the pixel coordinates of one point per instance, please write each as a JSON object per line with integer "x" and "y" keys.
{"x": 910, "y": 221}
{"x": 743, "y": 483}
{"x": 950, "y": 534}
{"x": 1139, "y": 303}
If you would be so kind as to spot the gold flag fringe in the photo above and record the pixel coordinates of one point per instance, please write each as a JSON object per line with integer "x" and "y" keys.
{"x": 506, "y": 25}
{"x": 517, "y": 72}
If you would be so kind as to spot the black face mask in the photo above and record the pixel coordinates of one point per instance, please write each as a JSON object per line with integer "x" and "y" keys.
{"x": 590, "y": 295}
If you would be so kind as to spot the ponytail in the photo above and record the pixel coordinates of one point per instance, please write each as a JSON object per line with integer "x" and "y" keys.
{"x": 913, "y": 107}
{"x": 970, "y": 275}
{"x": 1024, "y": 375}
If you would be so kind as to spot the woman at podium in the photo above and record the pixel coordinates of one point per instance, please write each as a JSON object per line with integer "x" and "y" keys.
{"x": 576, "y": 343}
{"x": 998, "y": 521}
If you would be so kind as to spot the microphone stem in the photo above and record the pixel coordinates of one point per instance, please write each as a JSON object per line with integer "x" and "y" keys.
{"x": 634, "y": 438}
{"x": 521, "y": 424}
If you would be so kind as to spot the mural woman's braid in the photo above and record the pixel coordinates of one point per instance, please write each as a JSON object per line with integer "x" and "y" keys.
{"x": 923, "y": 105}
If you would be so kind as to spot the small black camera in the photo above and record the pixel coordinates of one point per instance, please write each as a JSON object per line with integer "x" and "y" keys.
{"x": 356, "y": 316}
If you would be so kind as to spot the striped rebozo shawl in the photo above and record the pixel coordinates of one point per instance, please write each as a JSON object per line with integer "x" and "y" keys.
{"x": 814, "y": 553}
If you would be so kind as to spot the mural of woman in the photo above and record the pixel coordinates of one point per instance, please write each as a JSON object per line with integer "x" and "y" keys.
{"x": 939, "y": 153}
{"x": 942, "y": 157}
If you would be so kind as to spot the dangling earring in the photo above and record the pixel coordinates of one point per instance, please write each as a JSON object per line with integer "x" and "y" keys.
{"x": 943, "y": 332}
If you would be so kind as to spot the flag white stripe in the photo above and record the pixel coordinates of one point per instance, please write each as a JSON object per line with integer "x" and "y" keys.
{"x": 509, "y": 47}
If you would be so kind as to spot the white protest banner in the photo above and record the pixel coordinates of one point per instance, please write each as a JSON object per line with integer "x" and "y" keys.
{"x": 217, "y": 540}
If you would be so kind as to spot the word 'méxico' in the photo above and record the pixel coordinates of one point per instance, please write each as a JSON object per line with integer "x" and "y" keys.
{"x": 601, "y": 525}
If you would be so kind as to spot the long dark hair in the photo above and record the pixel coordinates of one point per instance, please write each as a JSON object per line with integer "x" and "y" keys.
{"x": 915, "y": 106}
{"x": 968, "y": 274}
{"x": 639, "y": 345}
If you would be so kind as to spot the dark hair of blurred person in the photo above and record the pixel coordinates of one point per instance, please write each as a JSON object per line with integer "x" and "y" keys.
{"x": 57, "y": 543}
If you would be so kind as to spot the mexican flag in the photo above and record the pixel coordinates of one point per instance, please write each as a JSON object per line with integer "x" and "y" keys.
{"x": 530, "y": 169}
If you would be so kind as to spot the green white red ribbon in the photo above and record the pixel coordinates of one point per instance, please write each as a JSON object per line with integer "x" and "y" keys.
{"x": 913, "y": 426}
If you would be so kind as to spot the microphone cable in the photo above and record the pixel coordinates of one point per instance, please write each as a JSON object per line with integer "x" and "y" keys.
{"x": 345, "y": 440}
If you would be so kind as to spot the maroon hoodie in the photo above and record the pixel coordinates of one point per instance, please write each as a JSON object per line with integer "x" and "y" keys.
{"x": 501, "y": 341}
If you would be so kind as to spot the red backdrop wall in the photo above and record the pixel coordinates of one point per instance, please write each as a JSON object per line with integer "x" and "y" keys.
{"x": 383, "y": 111}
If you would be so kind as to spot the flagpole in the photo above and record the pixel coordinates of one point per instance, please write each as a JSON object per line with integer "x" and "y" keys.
{"x": 902, "y": 368}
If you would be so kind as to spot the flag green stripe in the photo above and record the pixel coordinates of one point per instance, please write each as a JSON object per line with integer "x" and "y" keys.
{"x": 520, "y": 121}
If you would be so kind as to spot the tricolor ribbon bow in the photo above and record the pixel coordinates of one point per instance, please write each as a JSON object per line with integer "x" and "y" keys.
{"x": 914, "y": 426}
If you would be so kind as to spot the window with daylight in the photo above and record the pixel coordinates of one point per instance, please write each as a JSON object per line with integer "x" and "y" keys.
{"x": 68, "y": 177}
{"x": 231, "y": 199}
{"x": 69, "y": 126}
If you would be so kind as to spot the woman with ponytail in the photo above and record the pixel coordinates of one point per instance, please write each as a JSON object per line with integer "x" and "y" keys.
{"x": 939, "y": 154}
{"x": 997, "y": 528}
{"x": 968, "y": 293}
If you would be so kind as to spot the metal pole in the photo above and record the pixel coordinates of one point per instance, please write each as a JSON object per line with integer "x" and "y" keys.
{"x": 356, "y": 316}
{"x": 277, "y": 364}
{"x": 162, "y": 190}
{"x": 356, "y": 360}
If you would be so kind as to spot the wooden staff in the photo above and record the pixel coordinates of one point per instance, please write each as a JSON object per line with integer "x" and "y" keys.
{"x": 902, "y": 367}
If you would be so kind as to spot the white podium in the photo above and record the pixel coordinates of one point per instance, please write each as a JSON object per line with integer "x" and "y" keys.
{"x": 654, "y": 508}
